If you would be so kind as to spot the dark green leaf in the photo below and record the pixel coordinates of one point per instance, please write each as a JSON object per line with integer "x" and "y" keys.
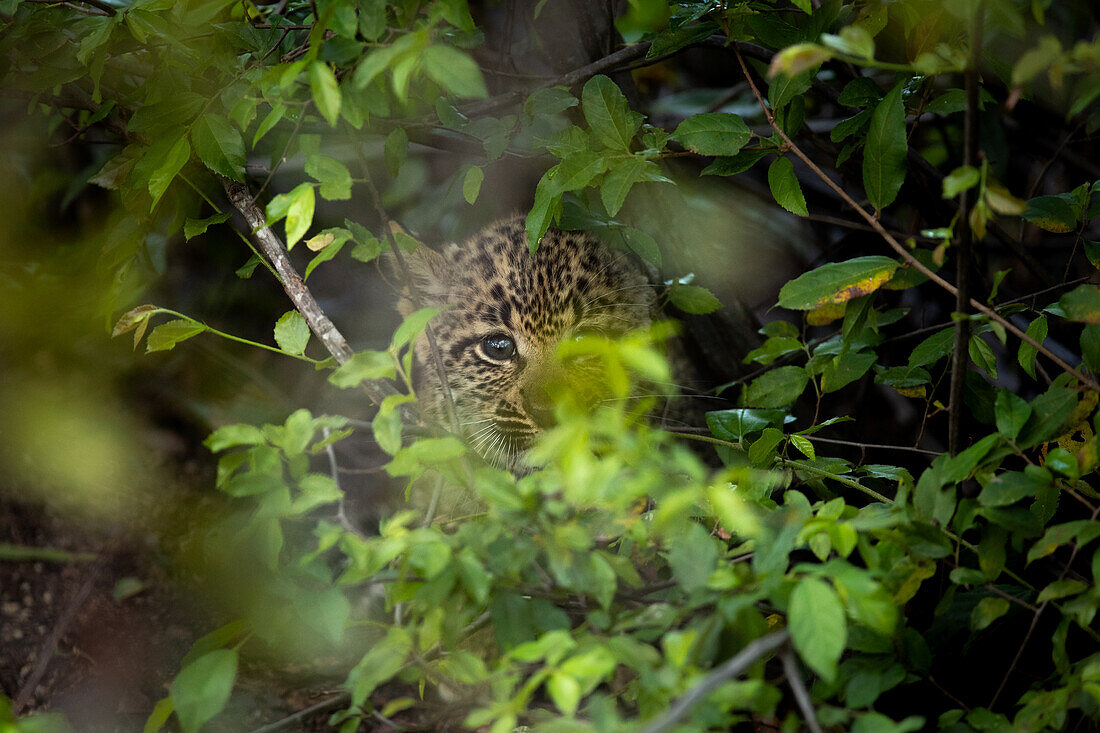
{"x": 733, "y": 425}
{"x": 1037, "y": 330}
{"x": 1082, "y": 304}
{"x": 195, "y": 227}
{"x": 777, "y": 388}
{"x": 218, "y": 144}
{"x": 713, "y": 133}
{"x": 1012, "y": 412}
{"x": 163, "y": 175}
{"x": 736, "y": 164}
{"x": 785, "y": 187}
{"x": 884, "y": 154}
{"x": 693, "y": 299}
{"x": 608, "y": 113}
{"x": 845, "y": 369}
{"x": 933, "y": 348}
{"x": 1052, "y": 213}
{"x": 1007, "y": 488}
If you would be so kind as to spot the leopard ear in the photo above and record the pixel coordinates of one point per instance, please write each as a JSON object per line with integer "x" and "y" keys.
{"x": 424, "y": 276}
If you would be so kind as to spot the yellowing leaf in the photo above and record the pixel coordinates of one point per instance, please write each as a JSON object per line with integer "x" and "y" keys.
{"x": 837, "y": 282}
{"x": 825, "y": 314}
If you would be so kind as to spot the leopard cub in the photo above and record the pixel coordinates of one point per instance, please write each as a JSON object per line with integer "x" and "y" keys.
{"x": 504, "y": 312}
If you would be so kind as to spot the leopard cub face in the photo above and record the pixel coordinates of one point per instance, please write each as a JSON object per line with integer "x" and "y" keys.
{"x": 504, "y": 313}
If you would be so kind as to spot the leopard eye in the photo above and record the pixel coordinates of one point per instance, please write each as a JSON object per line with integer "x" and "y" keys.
{"x": 497, "y": 347}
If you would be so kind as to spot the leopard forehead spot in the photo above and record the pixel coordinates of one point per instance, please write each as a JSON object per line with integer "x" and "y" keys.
{"x": 492, "y": 285}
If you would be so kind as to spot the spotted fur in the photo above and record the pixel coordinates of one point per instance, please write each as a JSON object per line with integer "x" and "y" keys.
{"x": 493, "y": 291}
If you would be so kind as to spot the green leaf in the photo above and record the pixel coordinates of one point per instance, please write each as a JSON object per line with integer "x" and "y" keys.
{"x": 884, "y": 154}
{"x": 817, "y": 624}
{"x": 292, "y": 332}
{"x": 1090, "y": 347}
{"x": 1037, "y": 330}
{"x": 1012, "y": 412}
{"x": 777, "y": 388}
{"x": 454, "y": 70}
{"x": 1052, "y": 213}
{"x": 713, "y": 133}
{"x": 165, "y": 173}
{"x": 167, "y": 335}
{"x": 299, "y": 212}
{"x": 804, "y": 446}
{"x": 785, "y": 187}
{"x": 1008, "y": 488}
{"x": 273, "y": 118}
{"x": 621, "y": 177}
{"x": 981, "y": 353}
{"x": 1082, "y": 304}
{"x": 762, "y": 451}
{"x": 396, "y": 148}
{"x": 961, "y": 179}
{"x": 837, "y": 282}
{"x": 194, "y": 227}
{"x": 547, "y": 204}
{"x": 845, "y": 369}
{"x": 326, "y": 91}
{"x": 229, "y": 436}
{"x": 735, "y": 164}
{"x": 693, "y": 556}
{"x": 361, "y": 366}
{"x": 219, "y": 145}
{"x": 413, "y": 325}
{"x": 693, "y": 299}
{"x": 988, "y": 610}
{"x": 1048, "y": 412}
{"x": 202, "y": 688}
{"x": 608, "y": 114}
{"x": 161, "y": 712}
{"x": 784, "y": 87}
{"x": 471, "y": 183}
{"x": 564, "y": 691}
{"x": 334, "y": 177}
{"x": 1061, "y": 589}
{"x": 733, "y": 425}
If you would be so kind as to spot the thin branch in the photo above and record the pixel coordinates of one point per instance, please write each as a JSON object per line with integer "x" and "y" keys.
{"x": 429, "y": 332}
{"x": 49, "y": 647}
{"x": 272, "y": 247}
{"x": 292, "y": 720}
{"x": 744, "y": 659}
{"x": 960, "y": 359}
{"x": 798, "y": 688}
{"x": 107, "y": 10}
{"x": 901, "y": 250}
{"x": 876, "y": 446}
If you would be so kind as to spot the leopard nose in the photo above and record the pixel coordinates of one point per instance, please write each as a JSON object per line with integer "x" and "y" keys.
{"x": 539, "y": 405}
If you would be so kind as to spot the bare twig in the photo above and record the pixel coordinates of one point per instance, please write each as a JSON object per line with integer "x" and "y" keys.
{"x": 46, "y": 653}
{"x": 429, "y": 332}
{"x": 900, "y": 250}
{"x": 291, "y": 720}
{"x": 744, "y": 659}
{"x": 106, "y": 9}
{"x": 960, "y": 359}
{"x": 798, "y": 688}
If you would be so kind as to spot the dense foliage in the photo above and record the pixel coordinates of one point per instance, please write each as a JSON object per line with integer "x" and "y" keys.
{"x": 635, "y": 581}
